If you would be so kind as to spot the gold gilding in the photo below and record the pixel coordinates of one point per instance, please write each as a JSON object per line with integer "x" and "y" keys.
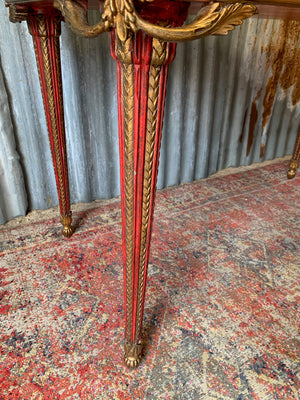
{"x": 214, "y": 19}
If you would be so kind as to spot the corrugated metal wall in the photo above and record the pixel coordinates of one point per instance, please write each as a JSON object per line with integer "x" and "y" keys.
{"x": 231, "y": 101}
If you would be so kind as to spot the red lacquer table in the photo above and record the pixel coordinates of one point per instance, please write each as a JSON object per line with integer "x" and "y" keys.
{"x": 143, "y": 36}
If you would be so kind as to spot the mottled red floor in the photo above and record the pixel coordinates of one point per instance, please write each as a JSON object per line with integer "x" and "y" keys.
{"x": 222, "y": 313}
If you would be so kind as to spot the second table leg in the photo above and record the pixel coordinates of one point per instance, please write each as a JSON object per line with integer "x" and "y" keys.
{"x": 45, "y": 30}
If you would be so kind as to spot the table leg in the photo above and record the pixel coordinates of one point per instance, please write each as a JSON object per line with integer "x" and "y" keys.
{"x": 295, "y": 159}
{"x": 142, "y": 64}
{"x": 45, "y": 30}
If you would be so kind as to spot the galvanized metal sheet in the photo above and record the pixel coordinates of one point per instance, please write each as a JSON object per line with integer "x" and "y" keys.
{"x": 231, "y": 101}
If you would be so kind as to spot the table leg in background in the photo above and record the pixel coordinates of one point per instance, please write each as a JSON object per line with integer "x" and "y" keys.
{"x": 45, "y": 30}
{"x": 294, "y": 162}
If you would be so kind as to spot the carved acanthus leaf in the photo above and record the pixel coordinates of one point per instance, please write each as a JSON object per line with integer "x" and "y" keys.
{"x": 212, "y": 20}
{"x": 231, "y": 16}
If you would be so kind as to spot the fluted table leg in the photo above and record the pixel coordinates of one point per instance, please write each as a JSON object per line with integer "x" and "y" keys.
{"x": 142, "y": 64}
{"x": 45, "y": 30}
{"x": 294, "y": 162}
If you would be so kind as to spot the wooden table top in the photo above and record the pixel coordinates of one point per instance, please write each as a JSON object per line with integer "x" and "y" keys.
{"x": 284, "y": 9}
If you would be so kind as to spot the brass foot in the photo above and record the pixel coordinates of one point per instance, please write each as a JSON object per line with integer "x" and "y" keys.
{"x": 133, "y": 354}
{"x": 292, "y": 169}
{"x": 66, "y": 221}
{"x": 291, "y": 173}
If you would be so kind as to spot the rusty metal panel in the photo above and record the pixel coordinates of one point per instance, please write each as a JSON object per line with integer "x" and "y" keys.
{"x": 231, "y": 101}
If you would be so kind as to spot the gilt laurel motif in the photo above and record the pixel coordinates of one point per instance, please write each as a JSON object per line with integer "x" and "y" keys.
{"x": 128, "y": 112}
{"x": 159, "y": 56}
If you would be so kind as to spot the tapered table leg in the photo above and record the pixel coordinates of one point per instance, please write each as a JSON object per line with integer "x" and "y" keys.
{"x": 142, "y": 64}
{"x": 294, "y": 162}
{"x": 45, "y": 30}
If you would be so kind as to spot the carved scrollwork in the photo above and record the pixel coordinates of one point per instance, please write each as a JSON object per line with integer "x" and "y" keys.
{"x": 76, "y": 17}
{"x": 214, "y": 19}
